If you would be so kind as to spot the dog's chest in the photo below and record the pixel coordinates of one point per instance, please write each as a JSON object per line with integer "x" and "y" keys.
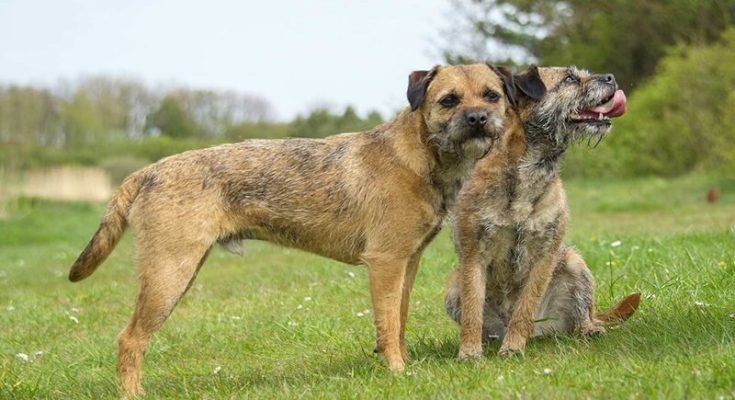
{"x": 518, "y": 224}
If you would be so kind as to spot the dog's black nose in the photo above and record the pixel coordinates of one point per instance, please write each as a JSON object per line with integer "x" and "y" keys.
{"x": 608, "y": 78}
{"x": 476, "y": 118}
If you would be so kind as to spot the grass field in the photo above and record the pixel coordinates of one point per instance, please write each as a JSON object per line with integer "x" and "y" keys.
{"x": 279, "y": 323}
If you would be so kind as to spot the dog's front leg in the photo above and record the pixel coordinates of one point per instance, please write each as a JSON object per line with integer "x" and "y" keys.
{"x": 386, "y": 289}
{"x": 472, "y": 301}
{"x": 411, "y": 270}
{"x": 524, "y": 312}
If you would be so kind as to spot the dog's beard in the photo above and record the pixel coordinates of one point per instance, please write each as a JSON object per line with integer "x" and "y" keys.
{"x": 456, "y": 141}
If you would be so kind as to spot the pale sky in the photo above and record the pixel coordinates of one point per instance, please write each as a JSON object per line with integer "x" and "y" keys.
{"x": 296, "y": 54}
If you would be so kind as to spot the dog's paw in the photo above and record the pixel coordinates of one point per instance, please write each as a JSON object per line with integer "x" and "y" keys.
{"x": 397, "y": 367}
{"x": 470, "y": 353}
{"x": 510, "y": 352}
{"x": 591, "y": 330}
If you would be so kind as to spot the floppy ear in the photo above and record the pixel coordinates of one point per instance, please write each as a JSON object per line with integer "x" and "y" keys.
{"x": 418, "y": 82}
{"x": 508, "y": 82}
{"x": 530, "y": 84}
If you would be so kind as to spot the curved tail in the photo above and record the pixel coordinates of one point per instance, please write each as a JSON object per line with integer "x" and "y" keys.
{"x": 111, "y": 228}
{"x": 621, "y": 311}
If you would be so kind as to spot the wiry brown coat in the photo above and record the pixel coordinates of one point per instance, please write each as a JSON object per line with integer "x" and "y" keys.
{"x": 375, "y": 198}
{"x": 511, "y": 217}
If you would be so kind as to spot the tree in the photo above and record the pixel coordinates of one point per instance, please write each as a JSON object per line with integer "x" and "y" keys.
{"x": 170, "y": 119}
{"x": 626, "y": 37}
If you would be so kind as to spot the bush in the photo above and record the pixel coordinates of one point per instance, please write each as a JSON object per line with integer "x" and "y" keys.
{"x": 679, "y": 121}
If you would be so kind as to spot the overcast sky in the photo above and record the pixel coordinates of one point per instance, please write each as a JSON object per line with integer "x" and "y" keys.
{"x": 296, "y": 54}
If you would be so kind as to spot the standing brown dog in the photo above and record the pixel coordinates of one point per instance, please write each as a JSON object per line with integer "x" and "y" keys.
{"x": 512, "y": 214}
{"x": 375, "y": 198}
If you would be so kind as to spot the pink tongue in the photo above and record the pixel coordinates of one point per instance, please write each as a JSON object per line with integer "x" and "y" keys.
{"x": 615, "y": 109}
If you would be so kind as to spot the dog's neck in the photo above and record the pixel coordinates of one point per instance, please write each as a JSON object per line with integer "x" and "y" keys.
{"x": 536, "y": 147}
{"x": 531, "y": 159}
{"x": 444, "y": 170}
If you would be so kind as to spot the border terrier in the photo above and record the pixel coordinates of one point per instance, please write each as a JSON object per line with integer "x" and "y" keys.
{"x": 516, "y": 278}
{"x": 375, "y": 198}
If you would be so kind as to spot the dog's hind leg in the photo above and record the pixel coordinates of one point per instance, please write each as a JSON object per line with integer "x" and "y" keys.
{"x": 166, "y": 271}
{"x": 569, "y": 301}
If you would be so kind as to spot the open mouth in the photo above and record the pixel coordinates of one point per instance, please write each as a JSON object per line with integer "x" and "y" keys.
{"x": 601, "y": 114}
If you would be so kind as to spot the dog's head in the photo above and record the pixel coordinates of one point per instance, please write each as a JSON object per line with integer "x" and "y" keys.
{"x": 463, "y": 106}
{"x": 565, "y": 104}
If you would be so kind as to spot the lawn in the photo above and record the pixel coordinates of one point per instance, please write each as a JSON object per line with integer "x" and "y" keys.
{"x": 279, "y": 323}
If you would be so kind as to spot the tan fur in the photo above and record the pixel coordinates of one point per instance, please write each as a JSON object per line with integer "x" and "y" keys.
{"x": 516, "y": 278}
{"x": 375, "y": 198}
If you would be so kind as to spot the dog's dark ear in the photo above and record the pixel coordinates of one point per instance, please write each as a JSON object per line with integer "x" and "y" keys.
{"x": 508, "y": 82}
{"x": 530, "y": 83}
{"x": 418, "y": 82}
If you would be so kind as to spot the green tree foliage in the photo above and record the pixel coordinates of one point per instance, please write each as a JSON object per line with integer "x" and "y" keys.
{"x": 171, "y": 120}
{"x": 626, "y": 37}
{"x": 321, "y": 122}
{"x": 679, "y": 121}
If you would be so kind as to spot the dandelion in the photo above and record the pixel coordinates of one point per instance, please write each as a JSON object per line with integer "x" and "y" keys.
{"x": 616, "y": 243}
{"x": 22, "y": 356}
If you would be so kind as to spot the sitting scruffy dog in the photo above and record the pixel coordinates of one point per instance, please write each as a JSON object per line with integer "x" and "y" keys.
{"x": 375, "y": 198}
{"x": 516, "y": 278}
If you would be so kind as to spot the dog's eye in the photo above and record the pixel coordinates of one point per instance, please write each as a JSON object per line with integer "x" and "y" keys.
{"x": 571, "y": 79}
{"x": 492, "y": 96}
{"x": 449, "y": 101}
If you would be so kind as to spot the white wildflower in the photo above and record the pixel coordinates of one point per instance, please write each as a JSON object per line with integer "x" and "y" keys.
{"x": 360, "y": 314}
{"x": 616, "y": 243}
{"x": 307, "y": 298}
{"x": 74, "y": 319}
{"x": 700, "y": 304}
{"x": 350, "y": 274}
{"x": 299, "y": 307}
{"x": 22, "y": 356}
{"x": 216, "y": 370}
{"x": 547, "y": 371}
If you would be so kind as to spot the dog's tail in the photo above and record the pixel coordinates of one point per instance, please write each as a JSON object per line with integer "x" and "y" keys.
{"x": 621, "y": 311}
{"x": 111, "y": 228}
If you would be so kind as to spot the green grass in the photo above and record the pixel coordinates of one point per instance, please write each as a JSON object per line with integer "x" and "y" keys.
{"x": 279, "y": 323}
